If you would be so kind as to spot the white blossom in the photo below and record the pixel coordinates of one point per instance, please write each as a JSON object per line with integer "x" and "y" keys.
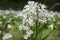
{"x": 7, "y": 11}
{"x": 28, "y": 34}
{"x": 25, "y": 28}
{"x": 22, "y": 27}
{"x": 31, "y": 2}
{"x": 19, "y": 14}
{"x": 51, "y": 26}
{"x": 30, "y": 21}
{"x": 4, "y": 17}
{"x": 9, "y": 26}
{"x": 43, "y": 6}
{"x": 6, "y": 36}
{"x": 0, "y": 22}
{"x": 42, "y": 20}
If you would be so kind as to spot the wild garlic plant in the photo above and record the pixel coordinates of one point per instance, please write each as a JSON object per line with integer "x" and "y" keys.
{"x": 34, "y": 22}
{"x": 36, "y": 19}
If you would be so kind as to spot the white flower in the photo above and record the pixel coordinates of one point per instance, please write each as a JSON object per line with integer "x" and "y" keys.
{"x": 25, "y": 16}
{"x": 0, "y": 22}
{"x": 28, "y": 34}
{"x": 31, "y": 7}
{"x": 51, "y": 26}
{"x": 10, "y": 19}
{"x": 22, "y": 27}
{"x": 25, "y": 28}
{"x": 42, "y": 20}
{"x": 30, "y": 21}
{"x": 9, "y": 26}
{"x": 19, "y": 14}
{"x": 4, "y": 17}
{"x": 43, "y": 6}
{"x": 31, "y": 2}
{"x": 26, "y": 6}
{"x": 6, "y": 36}
{"x": 7, "y": 11}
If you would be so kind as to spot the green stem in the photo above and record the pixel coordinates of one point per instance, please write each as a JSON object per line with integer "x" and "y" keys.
{"x": 36, "y": 31}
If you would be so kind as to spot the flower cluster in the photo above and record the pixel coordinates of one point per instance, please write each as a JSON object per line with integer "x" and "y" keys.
{"x": 34, "y": 11}
{"x": 27, "y": 29}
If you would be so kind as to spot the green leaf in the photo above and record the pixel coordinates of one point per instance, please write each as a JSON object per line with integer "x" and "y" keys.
{"x": 46, "y": 33}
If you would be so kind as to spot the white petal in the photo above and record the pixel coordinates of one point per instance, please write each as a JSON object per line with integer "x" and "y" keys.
{"x": 6, "y": 36}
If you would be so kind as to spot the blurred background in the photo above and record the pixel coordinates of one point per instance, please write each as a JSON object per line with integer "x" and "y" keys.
{"x": 19, "y": 4}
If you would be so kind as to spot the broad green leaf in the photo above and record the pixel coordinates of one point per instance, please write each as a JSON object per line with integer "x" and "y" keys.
{"x": 46, "y": 33}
